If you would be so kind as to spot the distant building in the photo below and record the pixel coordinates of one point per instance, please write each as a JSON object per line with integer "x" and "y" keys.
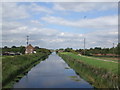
{"x": 30, "y": 49}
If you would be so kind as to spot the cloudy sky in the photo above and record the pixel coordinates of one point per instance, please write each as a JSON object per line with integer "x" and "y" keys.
{"x": 61, "y": 24}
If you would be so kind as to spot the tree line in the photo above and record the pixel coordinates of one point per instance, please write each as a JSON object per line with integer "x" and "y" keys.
{"x": 95, "y": 50}
{"x": 21, "y": 49}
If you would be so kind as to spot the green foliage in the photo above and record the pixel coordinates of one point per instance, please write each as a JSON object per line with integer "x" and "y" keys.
{"x": 36, "y": 47}
{"x": 61, "y": 49}
{"x": 15, "y": 49}
{"x": 110, "y": 66}
{"x": 99, "y": 50}
{"x": 43, "y": 50}
{"x": 68, "y": 49}
{"x": 21, "y": 49}
{"x": 94, "y": 71}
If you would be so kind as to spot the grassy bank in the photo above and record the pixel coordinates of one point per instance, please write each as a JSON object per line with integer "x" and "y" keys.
{"x": 16, "y": 65}
{"x": 0, "y": 72}
{"x": 101, "y": 74}
{"x": 106, "y": 58}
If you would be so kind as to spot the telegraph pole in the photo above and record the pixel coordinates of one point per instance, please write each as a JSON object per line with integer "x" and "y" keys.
{"x": 84, "y": 46}
{"x": 113, "y": 49}
{"x": 27, "y": 40}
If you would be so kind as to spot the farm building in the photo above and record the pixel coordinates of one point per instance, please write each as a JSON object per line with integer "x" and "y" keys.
{"x": 30, "y": 49}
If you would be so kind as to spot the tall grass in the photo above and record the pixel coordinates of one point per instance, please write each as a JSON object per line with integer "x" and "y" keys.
{"x": 13, "y": 66}
{"x": 99, "y": 75}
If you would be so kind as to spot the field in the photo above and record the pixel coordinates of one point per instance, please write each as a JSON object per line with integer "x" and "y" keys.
{"x": 110, "y": 66}
{"x": 115, "y": 59}
{"x": 12, "y": 66}
{"x": 101, "y": 74}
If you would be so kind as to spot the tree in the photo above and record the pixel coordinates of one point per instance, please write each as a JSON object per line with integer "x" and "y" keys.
{"x": 68, "y": 49}
{"x": 13, "y": 47}
{"x": 5, "y": 47}
{"x": 99, "y": 48}
{"x": 61, "y": 49}
{"x": 36, "y": 47}
{"x": 22, "y": 49}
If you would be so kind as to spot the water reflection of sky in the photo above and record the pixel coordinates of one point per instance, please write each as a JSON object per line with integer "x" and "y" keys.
{"x": 51, "y": 73}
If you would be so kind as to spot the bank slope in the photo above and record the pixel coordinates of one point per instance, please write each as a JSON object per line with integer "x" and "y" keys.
{"x": 12, "y": 66}
{"x": 100, "y": 73}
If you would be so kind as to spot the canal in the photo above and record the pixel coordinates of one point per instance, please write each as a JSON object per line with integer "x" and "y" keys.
{"x": 52, "y": 73}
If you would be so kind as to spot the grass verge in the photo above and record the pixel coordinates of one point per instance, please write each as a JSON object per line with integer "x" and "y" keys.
{"x": 101, "y": 74}
{"x": 12, "y": 67}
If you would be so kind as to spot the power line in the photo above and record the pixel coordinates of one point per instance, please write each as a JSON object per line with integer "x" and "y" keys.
{"x": 113, "y": 49}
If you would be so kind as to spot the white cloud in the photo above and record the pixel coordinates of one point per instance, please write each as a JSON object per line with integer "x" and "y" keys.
{"x": 50, "y": 38}
{"x": 13, "y": 11}
{"x": 102, "y": 38}
{"x": 15, "y": 31}
{"x": 84, "y": 6}
{"x": 29, "y": 28}
{"x": 100, "y": 22}
{"x": 37, "y": 8}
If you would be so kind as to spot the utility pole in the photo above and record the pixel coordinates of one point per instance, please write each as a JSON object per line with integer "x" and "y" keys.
{"x": 113, "y": 49}
{"x": 27, "y": 40}
{"x": 84, "y": 46}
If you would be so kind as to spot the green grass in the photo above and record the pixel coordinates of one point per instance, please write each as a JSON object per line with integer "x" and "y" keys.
{"x": 110, "y": 66}
{"x": 100, "y": 74}
{"x": 106, "y": 58}
{"x": 13, "y": 66}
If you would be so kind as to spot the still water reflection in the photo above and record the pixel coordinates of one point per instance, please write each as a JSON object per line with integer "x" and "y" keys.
{"x": 52, "y": 73}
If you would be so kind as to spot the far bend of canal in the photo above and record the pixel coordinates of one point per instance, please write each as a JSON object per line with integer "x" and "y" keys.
{"x": 52, "y": 73}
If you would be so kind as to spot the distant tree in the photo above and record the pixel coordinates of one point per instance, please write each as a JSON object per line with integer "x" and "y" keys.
{"x": 22, "y": 49}
{"x": 61, "y": 49}
{"x": 99, "y": 48}
{"x": 13, "y": 47}
{"x": 68, "y": 49}
{"x": 36, "y": 47}
{"x": 91, "y": 48}
{"x": 79, "y": 50}
{"x": 5, "y": 47}
{"x": 117, "y": 49}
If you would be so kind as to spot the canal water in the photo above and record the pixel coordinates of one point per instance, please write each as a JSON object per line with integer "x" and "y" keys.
{"x": 52, "y": 73}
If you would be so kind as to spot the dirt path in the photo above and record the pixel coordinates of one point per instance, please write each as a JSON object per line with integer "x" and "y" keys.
{"x": 100, "y": 59}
